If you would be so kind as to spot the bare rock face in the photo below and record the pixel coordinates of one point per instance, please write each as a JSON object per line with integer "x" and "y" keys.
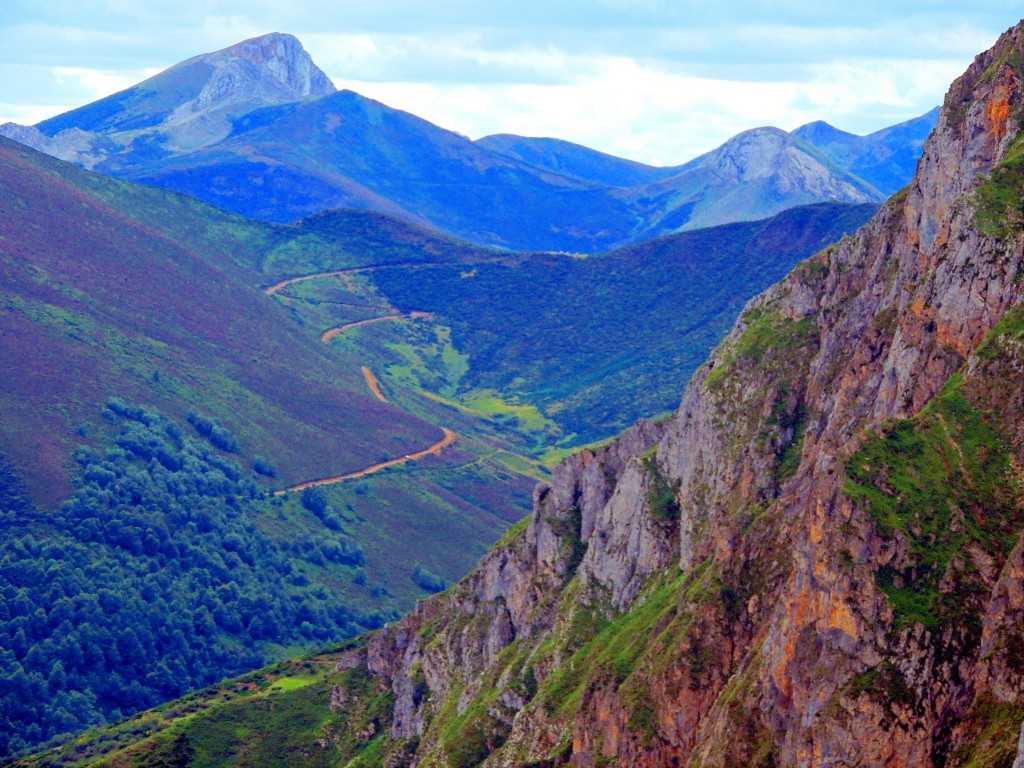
{"x": 817, "y": 560}
{"x": 282, "y": 57}
{"x": 72, "y": 145}
{"x": 1019, "y": 760}
{"x": 771, "y": 153}
{"x": 272, "y": 69}
{"x": 264, "y": 71}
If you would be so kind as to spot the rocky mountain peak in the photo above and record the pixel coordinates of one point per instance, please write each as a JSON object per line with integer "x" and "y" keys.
{"x": 750, "y": 154}
{"x": 262, "y": 71}
{"x": 776, "y": 158}
{"x": 282, "y": 57}
{"x": 819, "y": 131}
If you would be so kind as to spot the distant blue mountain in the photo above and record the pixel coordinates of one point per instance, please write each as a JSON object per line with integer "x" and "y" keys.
{"x": 885, "y": 159}
{"x": 570, "y": 159}
{"x": 258, "y": 129}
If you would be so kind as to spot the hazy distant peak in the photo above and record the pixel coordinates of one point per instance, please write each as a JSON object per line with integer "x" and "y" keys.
{"x": 282, "y": 58}
{"x": 270, "y": 69}
{"x": 819, "y": 132}
{"x": 885, "y": 158}
{"x": 750, "y": 154}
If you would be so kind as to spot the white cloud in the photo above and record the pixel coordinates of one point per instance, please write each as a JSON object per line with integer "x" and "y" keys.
{"x": 30, "y": 114}
{"x": 98, "y": 83}
{"x": 645, "y": 113}
{"x": 454, "y": 58}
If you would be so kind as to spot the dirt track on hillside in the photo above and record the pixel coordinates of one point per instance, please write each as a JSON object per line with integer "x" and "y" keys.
{"x": 435, "y": 450}
{"x": 292, "y": 280}
{"x": 371, "y": 382}
{"x": 414, "y": 315}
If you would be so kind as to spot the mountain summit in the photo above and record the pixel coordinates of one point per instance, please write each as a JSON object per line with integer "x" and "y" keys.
{"x": 259, "y": 130}
{"x": 756, "y": 173}
{"x": 188, "y": 106}
{"x": 267, "y": 70}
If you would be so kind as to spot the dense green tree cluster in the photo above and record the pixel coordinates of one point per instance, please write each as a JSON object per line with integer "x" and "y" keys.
{"x": 155, "y": 578}
{"x": 428, "y": 580}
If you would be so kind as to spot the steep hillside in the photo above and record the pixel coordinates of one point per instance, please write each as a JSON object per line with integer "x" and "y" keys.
{"x": 885, "y": 159}
{"x": 152, "y": 396}
{"x": 258, "y": 130}
{"x": 97, "y": 303}
{"x": 817, "y": 560}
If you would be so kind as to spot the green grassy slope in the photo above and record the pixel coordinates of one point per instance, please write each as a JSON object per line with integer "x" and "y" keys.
{"x": 169, "y": 564}
{"x": 560, "y": 334}
{"x": 95, "y": 303}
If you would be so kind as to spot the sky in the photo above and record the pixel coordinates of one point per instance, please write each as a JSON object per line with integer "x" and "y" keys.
{"x": 659, "y": 81}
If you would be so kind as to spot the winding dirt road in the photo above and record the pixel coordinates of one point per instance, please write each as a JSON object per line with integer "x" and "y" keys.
{"x": 414, "y": 315}
{"x": 347, "y": 271}
{"x": 293, "y": 280}
{"x": 332, "y": 332}
{"x": 371, "y": 382}
{"x": 434, "y": 450}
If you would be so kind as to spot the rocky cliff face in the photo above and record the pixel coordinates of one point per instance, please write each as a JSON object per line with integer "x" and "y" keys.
{"x": 816, "y": 560}
{"x": 263, "y": 71}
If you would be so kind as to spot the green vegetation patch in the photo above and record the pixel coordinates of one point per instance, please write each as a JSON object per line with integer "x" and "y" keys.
{"x": 650, "y": 630}
{"x": 280, "y": 713}
{"x": 768, "y": 336}
{"x": 999, "y": 199}
{"x": 569, "y": 529}
{"x": 162, "y": 574}
{"x": 943, "y": 481}
{"x": 662, "y": 495}
{"x": 483, "y": 726}
{"x": 990, "y": 736}
{"x": 1009, "y": 329}
{"x": 790, "y": 420}
{"x": 885, "y": 684}
{"x": 367, "y": 710}
{"x": 490, "y": 403}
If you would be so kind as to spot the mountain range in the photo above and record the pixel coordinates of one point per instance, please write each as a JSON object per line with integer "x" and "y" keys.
{"x": 816, "y": 560}
{"x": 257, "y": 129}
{"x": 170, "y": 369}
